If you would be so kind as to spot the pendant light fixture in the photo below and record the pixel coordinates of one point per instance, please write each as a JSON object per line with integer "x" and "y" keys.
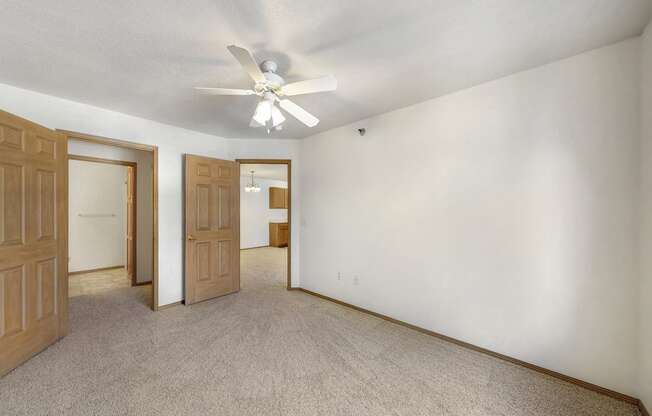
{"x": 252, "y": 187}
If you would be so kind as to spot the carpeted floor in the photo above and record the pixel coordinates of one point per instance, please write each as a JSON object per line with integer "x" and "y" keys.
{"x": 267, "y": 351}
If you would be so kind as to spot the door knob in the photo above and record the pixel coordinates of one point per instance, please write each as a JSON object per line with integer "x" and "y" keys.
{"x": 190, "y": 238}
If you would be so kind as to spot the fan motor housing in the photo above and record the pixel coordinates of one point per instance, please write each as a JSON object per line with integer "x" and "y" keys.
{"x": 268, "y": 66}
{"x": 273, "y": 80}
{"x": 269, "y": 71}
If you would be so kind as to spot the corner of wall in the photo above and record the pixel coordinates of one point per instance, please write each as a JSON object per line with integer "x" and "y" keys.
{"x": 645, "y": 221}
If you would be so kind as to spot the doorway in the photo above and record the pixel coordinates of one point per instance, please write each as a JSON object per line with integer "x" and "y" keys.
{"x": 34, "y": 243}
{"x": 266, "y": 215}
{"x": 102, "y": 224}
{"x": 136, "y": 224}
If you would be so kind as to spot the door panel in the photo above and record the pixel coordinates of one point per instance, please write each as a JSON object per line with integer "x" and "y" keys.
{"x": 46, "y": 288}
{"x": 223, "y": 204}
{"x": 11, "y": 137}
{"x": 33, "y": 239}
{"x": 45, "y": 183}
{"x": 11, "y": 188}
{"x": 203, "y": 192}
{"x": 12, "y": 283}
{"x": 212, "y": 203}
{"x": 223, "y": 253}
{"x": 203, "y": 256}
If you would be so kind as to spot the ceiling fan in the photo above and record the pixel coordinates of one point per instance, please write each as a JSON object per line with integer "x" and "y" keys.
{"x": 272, "y": 90}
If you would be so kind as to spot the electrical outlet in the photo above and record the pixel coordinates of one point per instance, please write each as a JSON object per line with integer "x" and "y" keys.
{"x": 356, "y": 280}
{"x": 339, "y": 275}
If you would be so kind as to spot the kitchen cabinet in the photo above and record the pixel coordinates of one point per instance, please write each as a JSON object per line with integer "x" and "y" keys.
{"x": 278, "y": 198}
{"x": 278, "y": 234}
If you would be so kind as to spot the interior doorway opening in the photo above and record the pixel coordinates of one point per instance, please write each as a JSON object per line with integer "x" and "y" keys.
{"x": 102, "y": 229}
{"x": 265, "y": 219}
{"x": 113, "y": 239}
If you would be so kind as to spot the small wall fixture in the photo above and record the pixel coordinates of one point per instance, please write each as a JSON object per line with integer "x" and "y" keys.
{"x": 252, "y": 187}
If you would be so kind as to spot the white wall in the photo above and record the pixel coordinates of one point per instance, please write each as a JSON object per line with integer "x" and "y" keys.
{"x": 144, "y": 197}
{"x": 255, "y": 213}
{"x": 645, "y": 292}
{"x": 172, "y": 143}
{"x": 96, "y": 241}
{"x": 501, "y": 215}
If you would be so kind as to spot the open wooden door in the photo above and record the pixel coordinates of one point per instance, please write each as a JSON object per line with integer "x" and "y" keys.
{"x": 212, "y": 207}
{"x": 131, "y": 224}
{"x": 33, "y": 239}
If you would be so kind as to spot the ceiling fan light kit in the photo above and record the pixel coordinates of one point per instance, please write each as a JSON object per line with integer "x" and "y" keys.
{"x": 272, "y": 90}
{"x": 263, "y": 111}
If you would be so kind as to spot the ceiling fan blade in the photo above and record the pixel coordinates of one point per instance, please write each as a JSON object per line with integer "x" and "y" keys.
{"x": 327, "y": 83}
{"x": 299, "y": 113}
{"x": 223, "y": 91}
{"x": 247, "y": 61}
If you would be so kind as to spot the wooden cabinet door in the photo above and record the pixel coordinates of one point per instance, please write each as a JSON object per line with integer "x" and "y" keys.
{"x": 273, "y": 198}
{"x": 277, "y": 198}
{"x": 273, "y": 234}
{"x": 278, "y": 234}
{"x": 33, "y": 239}
{"x": 212, "y": 202}
{"x": 283, "y": 235}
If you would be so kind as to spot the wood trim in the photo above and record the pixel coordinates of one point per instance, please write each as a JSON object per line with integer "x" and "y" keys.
{"x": 99, "y": 269}
{"x": 169, "y": 305}
{"x": 289, "y": 265}
{"x": 134, "y": 275}
{"x": 287, "y": 162}
{"x": 64, "y": 320}
{"x": 643, "y": 409}
{"x": 73, "y": 135}
{"x": 265, "y": 162}
{"x": 589, "y": 386}
{"x": 142, "y": 283}
{"x": 155, "y": 281}
{"x": 100, "y": 160}
{"x": 252, "y": 248}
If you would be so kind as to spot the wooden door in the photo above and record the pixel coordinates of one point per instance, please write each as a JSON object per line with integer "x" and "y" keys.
{"x": 212, "y": 204}
{"x": 131, "y": 223}
{"x": 33, "y": 239}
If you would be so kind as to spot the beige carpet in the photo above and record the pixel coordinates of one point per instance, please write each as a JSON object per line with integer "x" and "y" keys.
{"x": 266, "y": 351}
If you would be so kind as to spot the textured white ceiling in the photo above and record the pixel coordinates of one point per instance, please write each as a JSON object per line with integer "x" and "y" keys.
{"x": 143, "y": 57}
{"x": 277, "y": 172}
